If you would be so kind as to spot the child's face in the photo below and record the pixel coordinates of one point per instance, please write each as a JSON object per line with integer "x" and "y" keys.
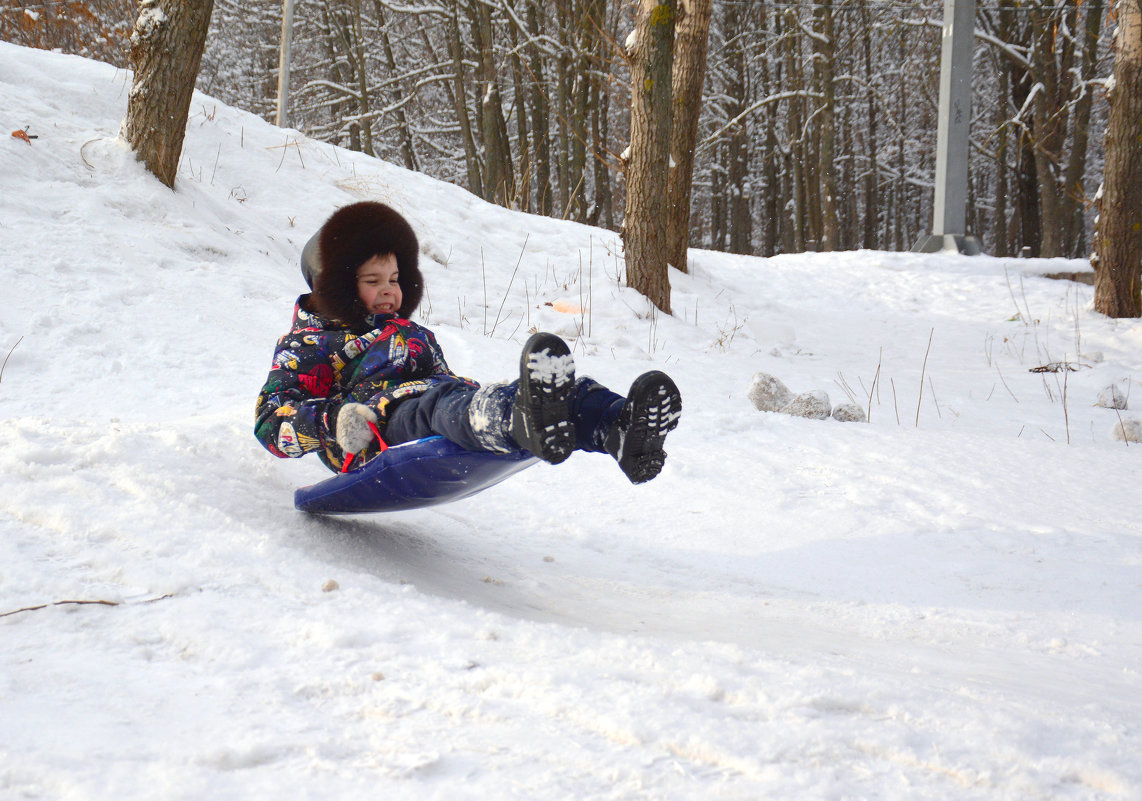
{"x": 377, "y": 285}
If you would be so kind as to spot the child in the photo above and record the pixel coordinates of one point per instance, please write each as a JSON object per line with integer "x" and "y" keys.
{"x": 354, "y": 368}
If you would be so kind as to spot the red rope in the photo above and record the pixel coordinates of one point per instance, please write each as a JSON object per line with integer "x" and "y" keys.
{"x": 384, "y": 445}
{"x": 349, "y": 457}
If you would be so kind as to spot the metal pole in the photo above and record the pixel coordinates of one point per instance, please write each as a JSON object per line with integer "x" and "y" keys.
{"x": 283, "y": 64}
{"x": 949, "y": 229}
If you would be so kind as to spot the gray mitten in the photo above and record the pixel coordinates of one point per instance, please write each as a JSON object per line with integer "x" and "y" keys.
{"x": 353, "y": 431}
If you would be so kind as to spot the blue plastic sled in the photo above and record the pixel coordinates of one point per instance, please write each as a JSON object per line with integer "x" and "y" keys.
{"x": 411, "y": 475}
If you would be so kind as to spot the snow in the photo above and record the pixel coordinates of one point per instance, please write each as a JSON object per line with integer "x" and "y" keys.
{"x": 944, "y": 602}
{"x": 631, "y": 42}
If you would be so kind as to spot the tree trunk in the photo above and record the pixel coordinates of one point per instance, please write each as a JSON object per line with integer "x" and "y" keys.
{"x": 718, "y": 203}
{"x": 644, "y": 234}
{"x": 1050, "y": 127}
{"x": 739, "y": 222}
{"x": 585, "y": 32}
{"x": 604, "y": 211}
{"x": 1118, "y": 239}
{"x": 166, "y": 49}
{"x": 826, "y": 185}
{"x": 1000, "y": 245}
{"x": 1074, "y": 198}
{"x": 499, "y": 178}
{"x": 460, "y": 99}
{"x": 690, "y": 36}
{"x": 519, "y": 93}
{"x": 1027, "y": 199}
{"x": 563, "y": 77}
{"x": 771, "y": 194}
{"x": 540, "y": 117}
{"x": 407, "y": 149}
{"x": 900, "y": 185}
{"x": 356, "y": 49}
{"x": 872, "y": 208}
{"x": 794, "y": 124}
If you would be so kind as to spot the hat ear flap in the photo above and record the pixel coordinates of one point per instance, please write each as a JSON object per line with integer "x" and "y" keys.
{"x": 411, "y": 293}
{"x": 311, "y": 259}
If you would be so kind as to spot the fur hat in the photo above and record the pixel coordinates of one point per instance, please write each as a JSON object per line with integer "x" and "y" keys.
{"x": 349, "y": 238}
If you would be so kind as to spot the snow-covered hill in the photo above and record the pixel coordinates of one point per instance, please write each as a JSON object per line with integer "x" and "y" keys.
{"x": 945, "y": 602}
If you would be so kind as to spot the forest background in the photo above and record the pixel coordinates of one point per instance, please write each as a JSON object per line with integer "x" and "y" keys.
{"x": 815, "y": 116}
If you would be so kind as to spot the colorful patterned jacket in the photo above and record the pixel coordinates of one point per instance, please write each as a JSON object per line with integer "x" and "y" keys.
{"x": 320, "y": 365}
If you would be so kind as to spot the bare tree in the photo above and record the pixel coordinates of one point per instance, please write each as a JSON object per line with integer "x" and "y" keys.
{"x": 98, "y": 29}
{"x": 166, "y": 48}
{"x": 815, "y": 126}
{"x": 1118, "y": 238}
{"x": 644, "y": 233}
{"x": 690, "y": 38}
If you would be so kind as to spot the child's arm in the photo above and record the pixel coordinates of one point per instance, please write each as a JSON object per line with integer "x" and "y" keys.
{"x": 292, "y": 416}
{"x": 398, "y": 353}
{"x": 404, "y": 360}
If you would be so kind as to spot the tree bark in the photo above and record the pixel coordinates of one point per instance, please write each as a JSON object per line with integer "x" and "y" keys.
{"x": 1118, "y": 238}
{"x": 691, "y": 33}
{"x": 166, "y": 50}
{"x": 644, "y": 234}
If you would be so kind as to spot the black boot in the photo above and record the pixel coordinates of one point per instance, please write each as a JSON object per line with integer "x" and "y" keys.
{"x": 651, "y": 411}
{"x": 540, "y": 412}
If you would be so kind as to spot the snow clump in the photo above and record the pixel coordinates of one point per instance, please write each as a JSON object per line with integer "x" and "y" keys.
{"x": 814, "y": 405}
{"x": 768, "y": 393}
{"x": 1127, "y": 430}
{"x": 849, "y": 413}
{"x": 1111, "y": 398}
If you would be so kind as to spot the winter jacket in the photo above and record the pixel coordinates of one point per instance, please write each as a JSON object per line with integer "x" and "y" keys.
{"x": 320, "y": 365}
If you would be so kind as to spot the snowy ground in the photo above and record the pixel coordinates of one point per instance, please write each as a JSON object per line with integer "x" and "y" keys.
{"x": 945, "y": 602}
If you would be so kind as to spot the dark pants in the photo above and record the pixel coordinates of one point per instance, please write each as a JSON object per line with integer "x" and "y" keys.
{"x": 443, "y": 410}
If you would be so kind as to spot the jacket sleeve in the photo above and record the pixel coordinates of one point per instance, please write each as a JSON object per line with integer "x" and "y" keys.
{"x": 439, "y": 366}
{"x": 295, "y": 412}
{"x": 402, "y": 361}
{"x": 397, "y": 353}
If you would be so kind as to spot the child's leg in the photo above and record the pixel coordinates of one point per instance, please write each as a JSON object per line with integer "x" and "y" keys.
{"x": 632, "y": 429}
{"x": 543, "y": 412}
{"x": 594, "y": 409}
{"x": 531, "y": 413}
{"x": 441, "y": 410}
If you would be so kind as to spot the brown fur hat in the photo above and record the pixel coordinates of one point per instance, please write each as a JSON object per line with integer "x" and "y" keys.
{"x": 350, "y": 237}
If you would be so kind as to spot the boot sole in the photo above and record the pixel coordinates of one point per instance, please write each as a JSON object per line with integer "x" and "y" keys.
{"x": 656, "y": 406}
{"x": 540, "y": 421}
